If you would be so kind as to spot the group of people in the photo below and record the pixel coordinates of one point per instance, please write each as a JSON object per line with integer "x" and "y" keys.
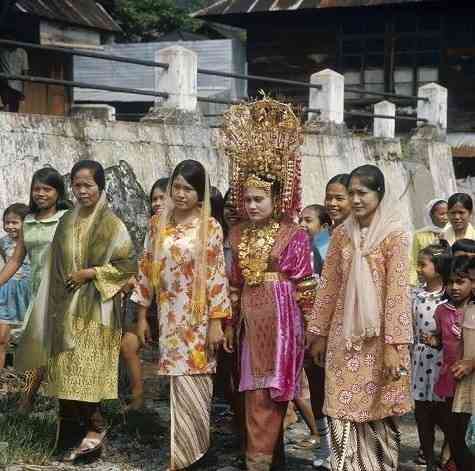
{"x": 274, "y": 296}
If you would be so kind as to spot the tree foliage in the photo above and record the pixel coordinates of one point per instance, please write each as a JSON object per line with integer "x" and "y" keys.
{"x": 147, "y": 20}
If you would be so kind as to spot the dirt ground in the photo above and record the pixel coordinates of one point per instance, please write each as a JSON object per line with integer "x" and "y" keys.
{"x": 140, "y": 441}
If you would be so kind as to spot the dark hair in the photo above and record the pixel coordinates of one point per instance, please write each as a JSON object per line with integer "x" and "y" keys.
{"x": 462, "y": 198}
{"x": 340, "y": 179}
{"x": 161, "y": 184}
{"x": 371, "y": 177}
{"x": 194, "y": 173}
{"x": 460, "y": 266}
{"x": 96, "y": 169}
{"x": 464, "y": 245}
{"x": 51, "y": 177}
{"x": 227, "y": 196}
{"x": 440, "y": 255}
{"x": 217, "y": 205}
{"x": 19, "y": 209}
{"x": 321, "y": 213}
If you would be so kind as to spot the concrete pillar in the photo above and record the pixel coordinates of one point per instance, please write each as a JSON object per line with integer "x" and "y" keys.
{"x": 434, "y": 110}
{"x": 104, "y": 112}
{"x": 384, "y": 127}
{"x": 330, "y": 98}
{"x": 180, "y": 80}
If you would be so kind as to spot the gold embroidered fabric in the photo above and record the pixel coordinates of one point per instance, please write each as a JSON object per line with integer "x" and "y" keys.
{"x": 108, "y": 281}
{"x": 254, "y": 251}
{"x": 89, "y": 372}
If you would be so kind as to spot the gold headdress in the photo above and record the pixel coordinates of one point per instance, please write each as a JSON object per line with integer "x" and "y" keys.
{"x": 261, "y": 141}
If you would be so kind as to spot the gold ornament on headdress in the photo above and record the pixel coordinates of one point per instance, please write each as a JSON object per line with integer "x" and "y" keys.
{"x": 261, "y": 141}
{"x": 254, "y": 181}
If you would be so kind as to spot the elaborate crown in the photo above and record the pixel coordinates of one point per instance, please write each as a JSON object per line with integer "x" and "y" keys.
{"x": 261, "y": 139}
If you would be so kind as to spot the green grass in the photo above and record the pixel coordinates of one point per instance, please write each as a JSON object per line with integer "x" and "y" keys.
{"x": 30, "y": 438}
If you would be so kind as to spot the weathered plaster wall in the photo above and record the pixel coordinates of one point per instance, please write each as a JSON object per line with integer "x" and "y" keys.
{"x": 417, "y": 169}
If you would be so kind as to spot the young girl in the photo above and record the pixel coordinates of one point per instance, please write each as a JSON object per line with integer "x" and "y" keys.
{"x": 337, "y": 199}
{"x": 15, "y": 294}
{"x": 427, "y": 359}
{"x": 131, "y": 342}
{"x": 464, "y": 373}
{"x": 448, "y": 335}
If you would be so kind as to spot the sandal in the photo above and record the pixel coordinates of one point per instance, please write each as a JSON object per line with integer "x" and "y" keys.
{"x": 420, "y": 458}
{"x": 310, "y": 442}
{"x": 88, "y": 446}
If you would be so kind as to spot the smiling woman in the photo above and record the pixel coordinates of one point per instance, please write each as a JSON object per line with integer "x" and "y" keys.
{"x": 361, "y": 324}
{"x": 460, "y": 208}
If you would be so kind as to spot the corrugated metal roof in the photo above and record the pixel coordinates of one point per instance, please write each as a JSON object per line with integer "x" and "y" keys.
{"x": 228, "y": 7}
{"x": 75, "y": 12}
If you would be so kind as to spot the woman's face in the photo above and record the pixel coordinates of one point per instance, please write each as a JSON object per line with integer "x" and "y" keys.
{"x": 184, "y": 196}
{"x": 258, "y": 204}
{"x": 364, "y": 201}
{"x": 231, "y": 216}
{"x": 459, "y": 217}
{"x": 85, "y": 188}
{"x": 337, "y": 202}
{"x": 158, "y": 201}
{"x": 44, "y": 196}
{"x": 439, "y": 215}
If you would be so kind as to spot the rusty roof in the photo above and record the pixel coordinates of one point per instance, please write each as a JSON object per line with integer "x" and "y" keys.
{"x": 228, "y": 7}
{"x": 86, "y": 13}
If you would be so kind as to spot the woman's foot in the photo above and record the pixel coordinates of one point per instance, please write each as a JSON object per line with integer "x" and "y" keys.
{"x": 135, "y": 404}
{"x": 92, "y": 443}
{"x": 309, "y": 442}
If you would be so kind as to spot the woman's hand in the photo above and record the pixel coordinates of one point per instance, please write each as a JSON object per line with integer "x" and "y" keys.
{"x": 78, "y": 278}
{"x": 463, "y": 368}
{"x": 130, "y": 285}
{"x": 215, "y": 335}
{"x": 318, "y": 349}
{"x": 143, "y": 331}
{"x": 392, "y": 363}
{"x": 228, "y": 344}
{"x": 430, "y": 340}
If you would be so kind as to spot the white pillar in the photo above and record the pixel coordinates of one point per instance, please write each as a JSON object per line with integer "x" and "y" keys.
{"x": 383, "y": 127}
{"x": 180, "y": 80}
{"x": 434, "y": 110}
{"x": 330, "y": 98}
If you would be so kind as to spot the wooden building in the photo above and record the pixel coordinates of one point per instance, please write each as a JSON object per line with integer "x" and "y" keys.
{"x": 381, "y": 45}
{"x": 61, "y": 23}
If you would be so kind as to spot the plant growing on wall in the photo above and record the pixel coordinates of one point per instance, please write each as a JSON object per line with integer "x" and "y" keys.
{"x": 147, "y": 20}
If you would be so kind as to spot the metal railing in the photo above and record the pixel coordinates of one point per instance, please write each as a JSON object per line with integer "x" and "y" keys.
{"x": 148, "y": 63}
{"x": 157, "y": 94}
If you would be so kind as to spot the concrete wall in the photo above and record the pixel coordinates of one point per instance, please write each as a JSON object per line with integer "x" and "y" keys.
{"x": 417, "y": 169}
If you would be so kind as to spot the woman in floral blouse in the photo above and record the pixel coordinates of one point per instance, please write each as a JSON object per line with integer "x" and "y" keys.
{"x": 362, "y": 322}
{"x": 183, "y": 268}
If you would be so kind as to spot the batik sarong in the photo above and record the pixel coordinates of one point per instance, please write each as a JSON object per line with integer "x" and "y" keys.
{"x": 190, "y": 402}
{"x": 366, "y": 446}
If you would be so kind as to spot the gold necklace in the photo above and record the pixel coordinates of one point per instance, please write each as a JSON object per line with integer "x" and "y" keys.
{"x": 255, "y": 249}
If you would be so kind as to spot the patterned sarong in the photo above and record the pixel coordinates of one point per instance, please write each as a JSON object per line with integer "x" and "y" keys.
{"x": 366, "y": 446}
{"x": 190, "y": 400}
